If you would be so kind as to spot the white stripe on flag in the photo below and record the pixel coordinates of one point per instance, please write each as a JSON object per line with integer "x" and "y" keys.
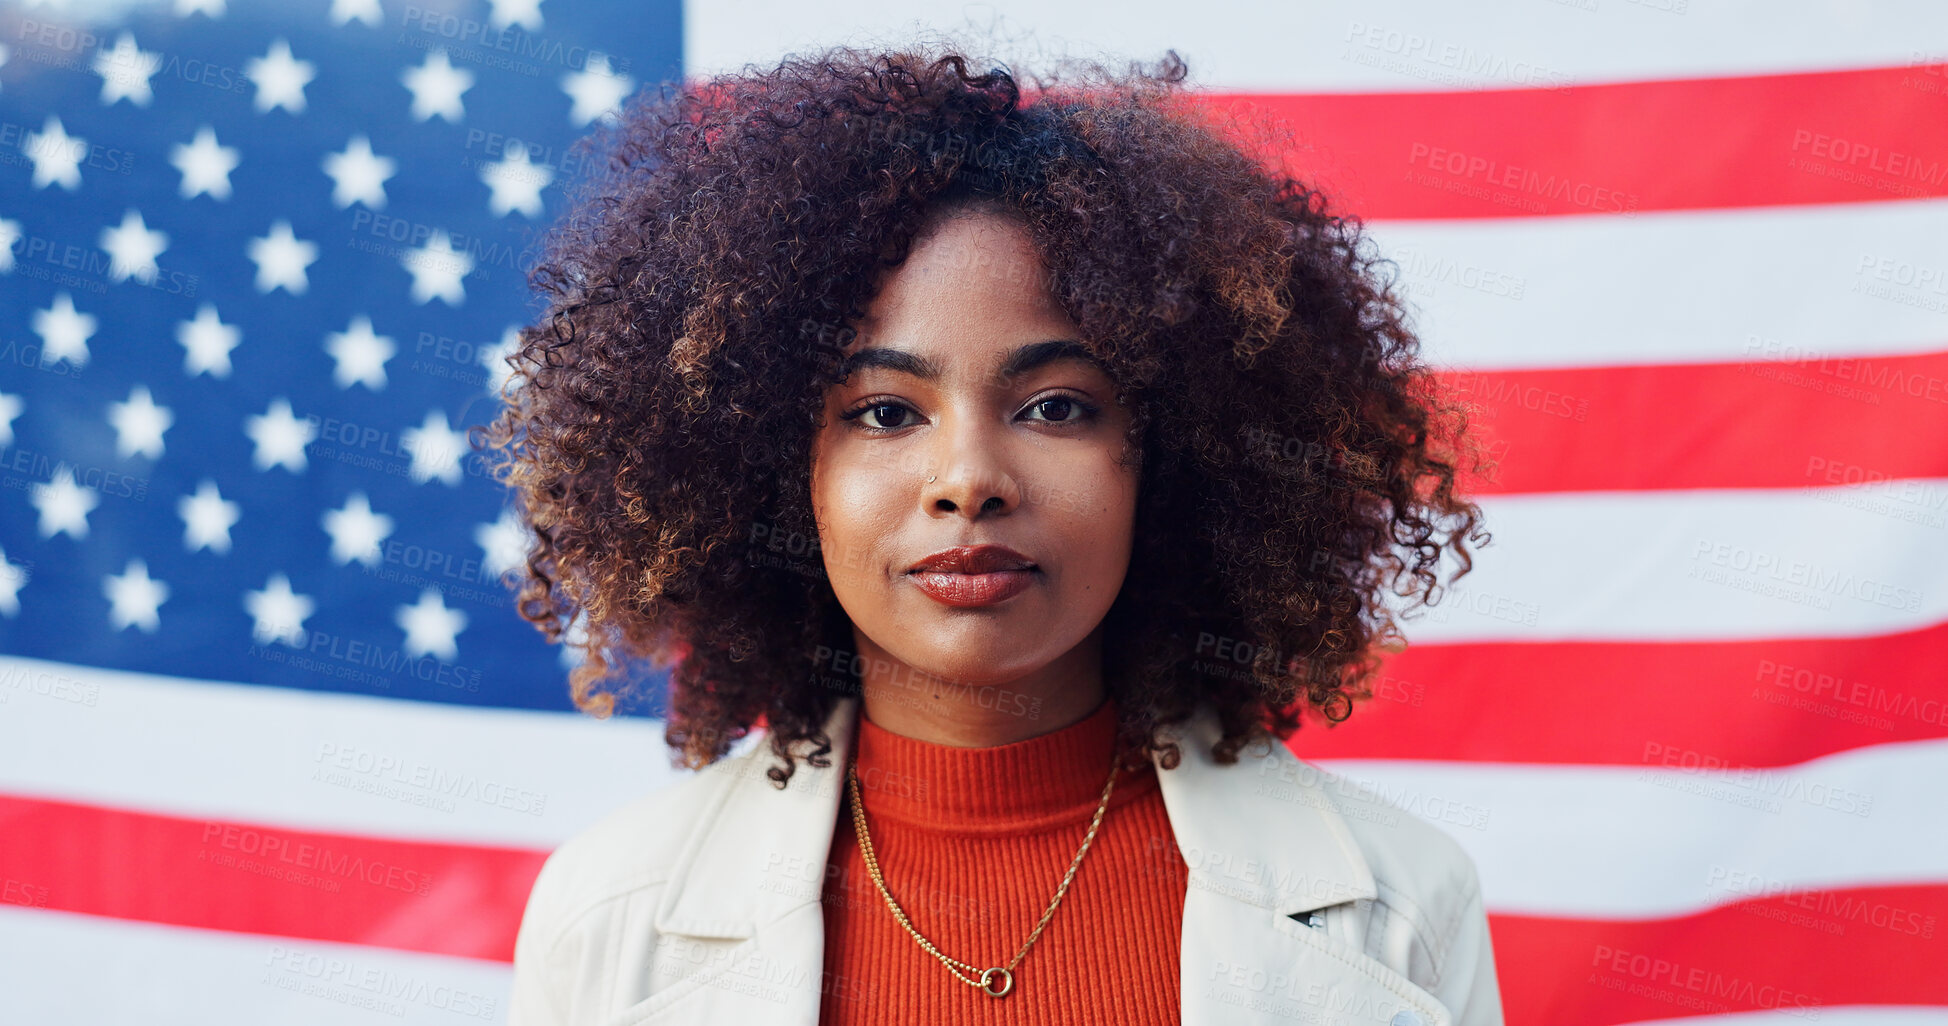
{"x": 1700, "y": 565}
{"x": 318, "y": 760}
{"x": 1829, "y": 1015}
{"x": 1767, "y": 283}
{"x": 57, "y": 967}
{"x": 1352, "y": 46}
{"x": 1669, "y": 837}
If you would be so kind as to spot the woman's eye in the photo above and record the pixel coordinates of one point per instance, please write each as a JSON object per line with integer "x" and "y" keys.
{"x": 1056, "y": 409}
{"x": 880, "y": 416}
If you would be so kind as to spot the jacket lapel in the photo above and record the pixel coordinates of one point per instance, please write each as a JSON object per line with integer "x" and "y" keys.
{"x": 1264, "y": 843}
{"x": 740, "y": 930}
{"x": 761, "y": 851}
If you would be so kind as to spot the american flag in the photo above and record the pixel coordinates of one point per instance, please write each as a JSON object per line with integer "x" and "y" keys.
{"x": 275, "y": 747}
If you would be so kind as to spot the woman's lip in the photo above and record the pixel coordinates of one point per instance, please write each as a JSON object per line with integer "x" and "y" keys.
{"x": 986, "y": 557}
{"x": 969, "y": 590}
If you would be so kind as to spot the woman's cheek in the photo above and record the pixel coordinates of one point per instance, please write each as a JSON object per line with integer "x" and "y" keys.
{"x": 860, "y": 509}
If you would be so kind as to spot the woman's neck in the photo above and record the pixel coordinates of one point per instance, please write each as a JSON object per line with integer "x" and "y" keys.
{"x": 980, "y": 712}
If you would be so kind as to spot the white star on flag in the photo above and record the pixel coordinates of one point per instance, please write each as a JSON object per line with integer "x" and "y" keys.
{"x": 132, "y": 248}
{"x": 436, "y": 86}
{"x": 13, "y": 577}
{"x": 207, "y": 518}
{"x": 358, "y": 175}
{"x": 133, "y": 597}
{"x": 10, "y": 407}
{"x": 505, "y": 542}
{"x": 277, "y": 613}
{"x": 212, "y": 8}
{"x": 574, "y": 642}
{"x": 360, "y": 355}
{"x": 280, "y": 437}
{"x": 430, "y": 626}
{"x": 205, "y": 166}
{"x": 64, "y": 331}
{"x": 63, "y": 504}
{"x": 56, "y": 155}
{"x": 436, "y": 449}
{"x": 437, "y": 269}
{"x": 344, "y": 12}
{"x": 9, "y": 234}
{"x": 494, "y": 358}
{"x": 139, "y": 424}
{"x": 207, "y": 342}
{"x": 517, "y": 184}
{"x": 508, "y": 13}
{"x": 125, "y": 72}
{"x": 281, "y": 258}
{"x": 597, "y": 90}
{"x": 356, "y": 531}
{"x": 280, "y": 78}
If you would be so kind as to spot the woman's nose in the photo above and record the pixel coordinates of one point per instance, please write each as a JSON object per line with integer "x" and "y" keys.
{"x": 972, "y": 476}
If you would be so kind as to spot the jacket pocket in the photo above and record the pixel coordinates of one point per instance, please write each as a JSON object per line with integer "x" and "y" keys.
{"x": 685, "y": 966}
{"x": 1381, "y": 994}
{"x": 772, "y": 977}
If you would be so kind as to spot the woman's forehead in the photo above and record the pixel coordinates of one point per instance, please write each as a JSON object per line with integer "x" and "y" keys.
{"x": 985, "y": 269}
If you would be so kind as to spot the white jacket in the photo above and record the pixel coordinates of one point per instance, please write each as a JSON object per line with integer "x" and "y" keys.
{"x": 1310, "y": 900}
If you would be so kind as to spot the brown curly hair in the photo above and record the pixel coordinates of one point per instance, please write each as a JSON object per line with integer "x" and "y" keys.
{"x": 1297, "y": 459}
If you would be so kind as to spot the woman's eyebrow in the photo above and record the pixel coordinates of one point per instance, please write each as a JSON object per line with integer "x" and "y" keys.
{"x": 1021, "y": 360}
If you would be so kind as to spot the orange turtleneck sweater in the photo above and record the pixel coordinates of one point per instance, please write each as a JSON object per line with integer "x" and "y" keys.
{"x": 972, "y": 843}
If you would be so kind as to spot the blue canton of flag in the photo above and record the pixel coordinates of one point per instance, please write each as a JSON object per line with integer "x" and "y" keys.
{"x": 258, "y": 265}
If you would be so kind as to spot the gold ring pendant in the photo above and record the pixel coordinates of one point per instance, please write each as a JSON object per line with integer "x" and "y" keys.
{"x": 1007, "y": 982}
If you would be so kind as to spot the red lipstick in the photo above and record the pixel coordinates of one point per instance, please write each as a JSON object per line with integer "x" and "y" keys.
{"x": 973, "y": 575}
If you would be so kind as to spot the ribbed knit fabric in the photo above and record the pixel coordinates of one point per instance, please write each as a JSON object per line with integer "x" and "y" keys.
{"x": 972, "y": 843}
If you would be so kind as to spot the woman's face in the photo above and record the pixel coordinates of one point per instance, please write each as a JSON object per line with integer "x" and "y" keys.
{"x": 974, "y": 418}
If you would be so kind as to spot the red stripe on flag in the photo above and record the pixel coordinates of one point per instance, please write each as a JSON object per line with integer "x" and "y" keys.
{"x": 1793, "y": 953}
{"x": 1745, "y": 703}
{"x": 445, "y": 899}
{"x": 1679, "y": 144}
{"x": 1872, "y": 420}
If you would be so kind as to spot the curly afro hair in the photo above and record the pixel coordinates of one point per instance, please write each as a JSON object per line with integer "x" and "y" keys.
{"x": 1297, "y": 458}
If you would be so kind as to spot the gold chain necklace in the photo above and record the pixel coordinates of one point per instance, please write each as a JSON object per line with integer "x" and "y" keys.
{"x": 1006, "y": 973}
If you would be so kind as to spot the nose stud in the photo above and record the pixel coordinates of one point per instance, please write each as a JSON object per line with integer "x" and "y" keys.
{"x": 930, "y": 480}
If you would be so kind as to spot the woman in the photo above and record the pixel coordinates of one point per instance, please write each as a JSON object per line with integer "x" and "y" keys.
{"x": 1029, "y": 466}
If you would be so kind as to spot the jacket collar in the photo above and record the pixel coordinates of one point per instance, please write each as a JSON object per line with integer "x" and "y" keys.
{"x": 1262, "y": 831}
